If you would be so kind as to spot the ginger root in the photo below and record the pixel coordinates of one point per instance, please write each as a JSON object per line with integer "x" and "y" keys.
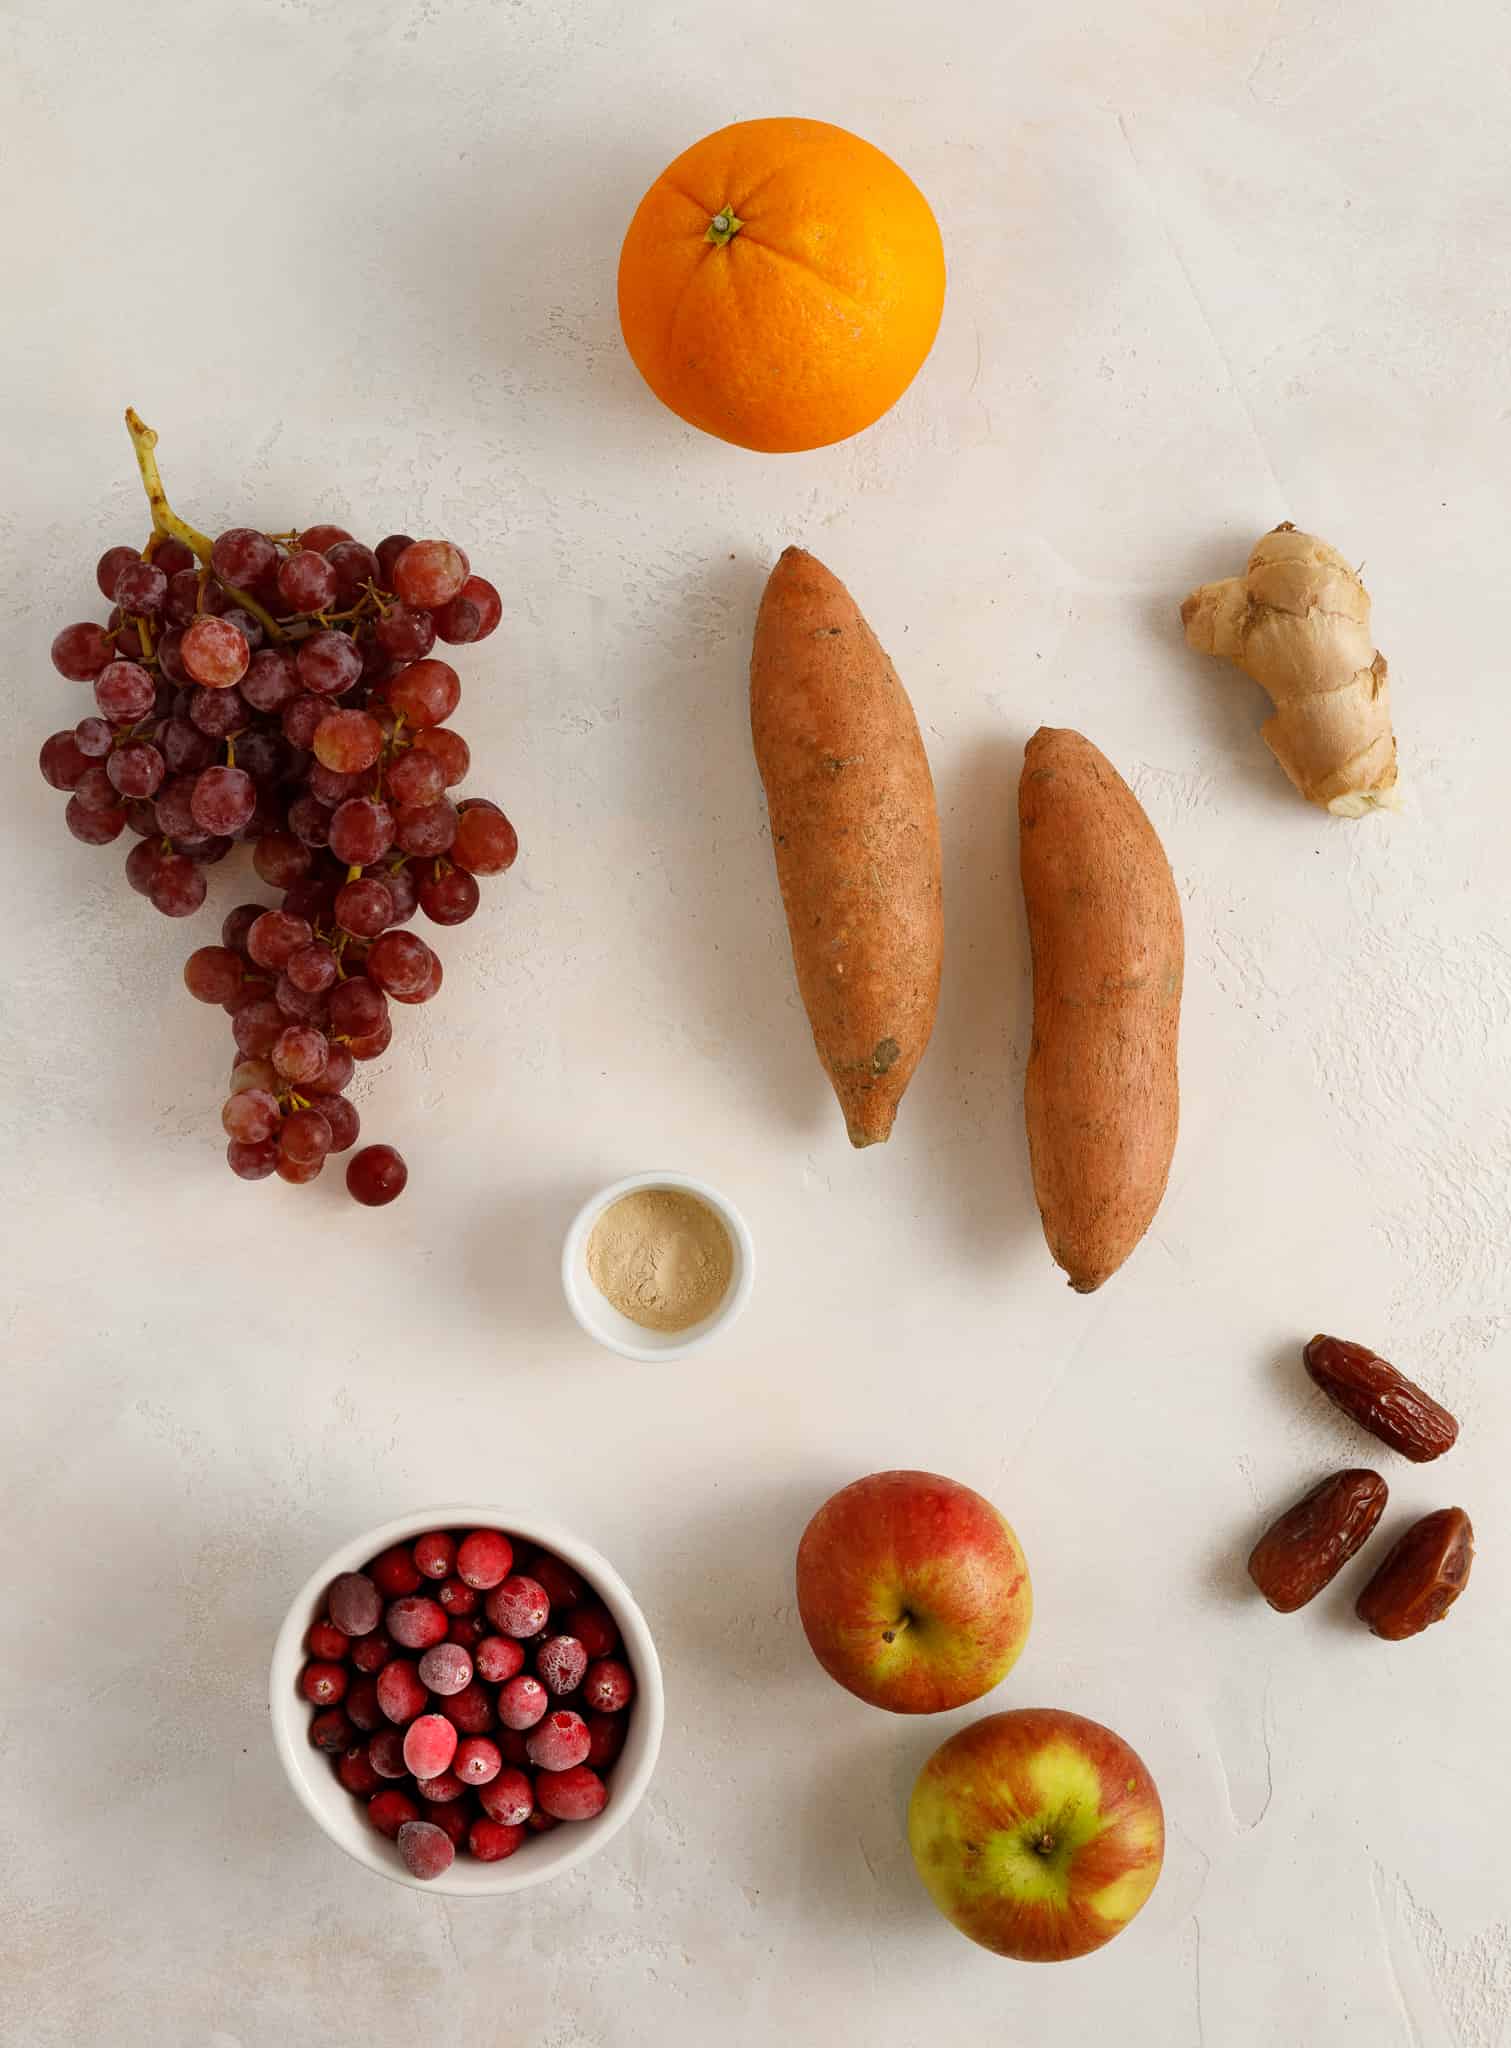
{"x": 1298, "y": 623}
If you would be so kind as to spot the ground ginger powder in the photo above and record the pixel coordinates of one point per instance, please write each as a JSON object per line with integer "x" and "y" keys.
{"x": 661, "y": 1257}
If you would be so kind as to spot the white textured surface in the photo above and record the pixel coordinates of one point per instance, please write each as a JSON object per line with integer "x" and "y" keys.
{"x": 1212, "y": 266}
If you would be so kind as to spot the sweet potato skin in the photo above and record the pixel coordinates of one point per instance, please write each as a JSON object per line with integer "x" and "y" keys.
{"x": 855, "y": 832}
{"x": 1101, "y": 1095}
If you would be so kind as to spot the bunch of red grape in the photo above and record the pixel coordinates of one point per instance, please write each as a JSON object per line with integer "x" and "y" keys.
{"x": 282, "y": 690}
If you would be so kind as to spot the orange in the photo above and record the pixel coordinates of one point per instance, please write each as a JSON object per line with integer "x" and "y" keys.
{"x": 781, "y": 284}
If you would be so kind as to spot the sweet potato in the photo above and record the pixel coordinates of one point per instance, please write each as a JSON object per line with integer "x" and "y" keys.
{"x": 856, "y": 837}
{"x": 1104, "y": 924}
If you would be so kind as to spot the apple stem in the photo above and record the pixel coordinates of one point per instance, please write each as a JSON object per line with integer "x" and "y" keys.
{"x": 890, "y": 1635}
{"x": 1045, "y": 1844}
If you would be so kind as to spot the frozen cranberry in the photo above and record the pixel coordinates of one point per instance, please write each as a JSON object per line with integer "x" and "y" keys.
{"x": 573, "y": 1794}
{"x": 498, "y": 1658}
{"x": 430, "y": 1744}
{"x": 446, "y": 1668}
{"x": 469, "y": 1711}
{"x": 514, "y": 1747}
{"x": 356, "y": 1773}
{"x": 606, "y": 1734}
{"x": 354, "y": 1601}
{"x": 371, "y": 1653}
{"x": 332, "y": 1731}
{"x": 467, "y": 1629}
{"x": 562, "y": 1586}
{"x": 453, "y": 1820}
{"x": 593, "y": 1627}
{"x": 519, "y": 1607}
{"x": 491, "y": 1841}
{"x": 400, "y": 1693}
{"x": 361, "y": 1704}
{"x": 390, "y": 1810}
{"x": 522, "y": 1701}
{"x": 435, "y": 1554}
{"x": 484, "y": 1559}
{"x": 385, "y": 1752}
{"x": 508, "y": 1798}
{"x": 559, "y": 1742}
{"x": 442, "y": 1789}
{"x": 477, "y": 1760}
{"x": 323, "y": 1683}
{"x": 324, "y": 1640}
{"x": 416, "y": 1623}
{"x": 395, "y": 1573}
{"x": 541, "y": 1823}
{"x": 608, "y": 1685}
{"x": 425, "y": 1848}
{"x": 560, "y": 1663}
{"x": 455, "y": 1597}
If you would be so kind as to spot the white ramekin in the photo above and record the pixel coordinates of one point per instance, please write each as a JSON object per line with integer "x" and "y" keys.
{"x": 603, "y": 1321}
{"x": 332, "y": 1807}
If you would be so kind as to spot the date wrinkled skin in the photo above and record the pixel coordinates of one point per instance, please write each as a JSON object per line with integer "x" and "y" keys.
{"x": 1423, "y": 1575}
{"x": 1390, "y": 1406}
{"x": 1312, "y": 1541}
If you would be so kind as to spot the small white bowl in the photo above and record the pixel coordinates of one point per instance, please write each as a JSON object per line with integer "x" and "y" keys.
{"x": 328, "y": 1803}
{"x": 602, "y": 1320}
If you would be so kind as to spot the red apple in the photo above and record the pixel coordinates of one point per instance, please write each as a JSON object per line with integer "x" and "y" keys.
{"x": 913, "y": 1592}
{"x": 1038, "y": 1834}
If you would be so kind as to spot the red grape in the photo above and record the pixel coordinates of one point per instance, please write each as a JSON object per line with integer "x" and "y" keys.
{"x": 298, "y": 1172}
{"x": 312, "y": 969}
{"x": 271, "y": 680}
{"x": 416, "y": 778}
{"x": 212, "y": 974}
{"x": 309, "y": 821}
{"x": 184, "y": 748}
{"x": 376, "y": 1175}
{"x": 94, "y": 790}
{"x": 243, "y": 556}
{"x": 429, "y": 987}
{"x": 250, "y": 1116}
{"x": 322, "y": 537}
{"x": 426, "y": 830}
{"x": 177, "y": 887}
{"x": 355, "y": 566}
{"x": 471, "y": 615}
{"x": 337, "y": 1071}
{"x": 307, "y": 582}
{"x": 63, "y": 761}
{"x": 299, "y": 1053}
{"x": 94, "y": 737}
{"x": 361, "y": 831}
{"x": 449, "y": 748}
{"x": 216, "y": 713}
{"x": 302, "y": 1006}
{"x": 305, "y": 1138}
{"x": 364, "y": 907}
{"x": 426, "y": 693}
{"x": 215, "y": 652}
{"x": 275, "y": 937}
{"x": 387, "y": 553}
{"x": 94, "y": 826}
{"x": 80, "y": 652}
{"x": 348, "y": 741}
{"x": 358, "y": 1008}
{"x": 403, "y": 886}
{"x": 124, "y": 690}
{"x": 172, "y": 554}
{"x": 405, "y": 634}
{"x": 136, "y": 769}
{"x": 340, "y": 1115}
{"x": 486, "y": 843}
{"x": 301, "y": 719}
{"x": 328, "y": 663}
{"x": 399, "y": 962}
{"x": 429, "y": 573}
{"x": 223, "y": 800}
{"x": 281, "y": 859}
{"x": 252, "y": 1162}
{"x": 449, "y": 897}
{"x": 141, "y": 864}
{"x": 110, "y": 565}
{"x": 141, "y": 589}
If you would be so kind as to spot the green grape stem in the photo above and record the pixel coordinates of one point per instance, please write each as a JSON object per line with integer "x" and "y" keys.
{"x": 166, "y": 521}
